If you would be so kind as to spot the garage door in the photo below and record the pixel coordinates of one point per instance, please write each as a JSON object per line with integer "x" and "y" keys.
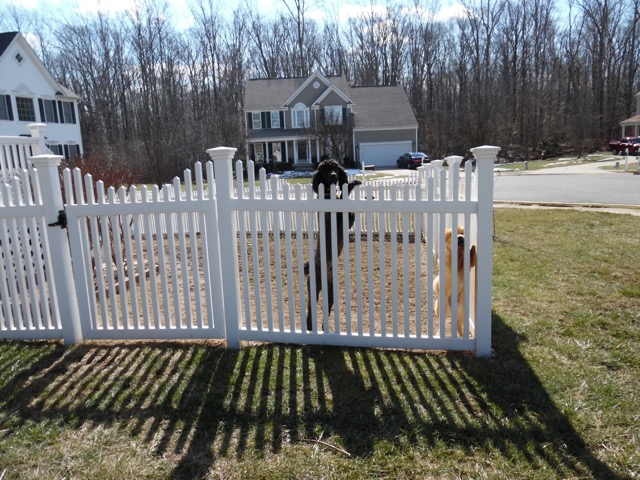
{"x": 383, "y": 154}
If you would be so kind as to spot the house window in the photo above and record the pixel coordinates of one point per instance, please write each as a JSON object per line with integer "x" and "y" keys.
{"x": 5, "y": 108}
{"x": 257, "y": 120}
{"x": 26, "y": 112}
{"x": 18, "y": 57}
{"x": 275, "y": 119}
{"x": 333, "y": 114}
{"x": 49, "y": 111}
{"x": 71, "y": 152}
{"x": 55, "y": 149}
{"x": 66, "y": 113}
{"x": 300, "y": 116}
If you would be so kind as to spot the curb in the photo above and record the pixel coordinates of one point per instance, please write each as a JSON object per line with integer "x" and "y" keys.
{"x": 585, "y": 207}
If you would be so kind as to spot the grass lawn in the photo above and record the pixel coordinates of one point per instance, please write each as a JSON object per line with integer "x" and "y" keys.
{"x": 561, "y": 162}
{"x": 559, "y": 399}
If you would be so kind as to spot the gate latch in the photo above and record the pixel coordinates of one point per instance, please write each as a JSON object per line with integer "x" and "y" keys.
{"x": 62, "y": 220}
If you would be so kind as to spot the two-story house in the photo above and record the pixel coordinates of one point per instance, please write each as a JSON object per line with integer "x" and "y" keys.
{"x": 302, "y": 120}
{"x": 30, "y": 94}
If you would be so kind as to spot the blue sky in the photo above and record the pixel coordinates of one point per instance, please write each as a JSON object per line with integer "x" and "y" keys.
{"x": 181, "y": 14}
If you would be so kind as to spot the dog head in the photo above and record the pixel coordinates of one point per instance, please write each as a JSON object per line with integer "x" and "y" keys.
{"x": 460, "y": 244}
{"x": 329, "y": 173}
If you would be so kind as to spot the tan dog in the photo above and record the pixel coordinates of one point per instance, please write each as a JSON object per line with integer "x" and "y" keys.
{"x": 448, "y": 270}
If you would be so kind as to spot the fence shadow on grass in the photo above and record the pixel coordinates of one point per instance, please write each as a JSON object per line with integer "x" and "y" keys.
{"x": 199, "y": 402}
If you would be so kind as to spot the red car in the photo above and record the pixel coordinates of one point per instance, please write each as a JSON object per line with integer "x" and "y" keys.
{"x": 412, "y": 160}
{"x": 625, "y": 143}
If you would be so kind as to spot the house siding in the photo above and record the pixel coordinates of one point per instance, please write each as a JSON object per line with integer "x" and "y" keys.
{"x": 332, "y": 99}
{"x": 309, "y": 94}
{"x": 29, "y": 79}
{"x": 371, "y": 136}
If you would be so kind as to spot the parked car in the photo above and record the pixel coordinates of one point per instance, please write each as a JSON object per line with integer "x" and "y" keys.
{"x": 412, "y": 160}
{"x": 625, "y": 143}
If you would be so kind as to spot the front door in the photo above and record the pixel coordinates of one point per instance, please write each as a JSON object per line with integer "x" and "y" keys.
{"x": 276, "y": 150}
{"x": 303, "y": 152}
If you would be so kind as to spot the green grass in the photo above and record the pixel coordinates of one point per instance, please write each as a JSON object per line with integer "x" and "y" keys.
{"x": 559, "y": 399}
{"x": 561, "y": 162}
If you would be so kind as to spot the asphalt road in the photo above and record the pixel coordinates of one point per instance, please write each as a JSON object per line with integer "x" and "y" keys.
{"x": 586, "y": 184}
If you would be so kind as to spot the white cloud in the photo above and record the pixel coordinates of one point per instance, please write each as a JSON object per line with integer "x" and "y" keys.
{"x": 266, "y": 6}
{"x": 180, "y": 13}
{"x": 104, "y": 6}
{"x": 28, "y": 4}
{"x": 346, "y": 11}
{"x": 454, "y": 10}
{"x": 350, "y": 10}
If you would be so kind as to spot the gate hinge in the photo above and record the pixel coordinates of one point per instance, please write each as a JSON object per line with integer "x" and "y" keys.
{"x": 62, "y": 220}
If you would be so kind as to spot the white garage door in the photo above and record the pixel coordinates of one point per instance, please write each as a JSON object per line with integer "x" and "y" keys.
{"x": 383, "y": 154}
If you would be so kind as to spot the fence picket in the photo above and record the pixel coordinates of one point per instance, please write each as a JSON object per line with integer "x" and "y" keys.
{"x": 289, "y": 262}
{"x": 160, "y": 220}
{"x": 10, "y": 298}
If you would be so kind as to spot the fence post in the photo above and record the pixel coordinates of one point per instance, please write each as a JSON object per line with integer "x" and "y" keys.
{"x": 49, "y": 180}
{"x": 37, "y": 131}
{"x": 485, "y": 158}
{"x": 223, "y": 169}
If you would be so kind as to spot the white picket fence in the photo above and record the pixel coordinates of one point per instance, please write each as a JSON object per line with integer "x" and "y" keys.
{"x": 15, "y": 151}
{"x": 229, "y": 263}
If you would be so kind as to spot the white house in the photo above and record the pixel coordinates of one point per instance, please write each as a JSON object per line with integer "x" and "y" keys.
{"x": 29, "y": 94}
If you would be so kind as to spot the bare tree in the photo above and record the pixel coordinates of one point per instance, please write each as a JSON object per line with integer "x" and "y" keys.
{"x": 378, "y": 45}
{"x": 93, "y": 60}
{"x": 334, "y": 135}
{"x": 507, "y": 72}
{"x": 160, "y": 92}
{"x": 304, "y": 35}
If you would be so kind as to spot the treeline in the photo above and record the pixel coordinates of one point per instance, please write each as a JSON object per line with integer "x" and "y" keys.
{"x": 536, "y": 77}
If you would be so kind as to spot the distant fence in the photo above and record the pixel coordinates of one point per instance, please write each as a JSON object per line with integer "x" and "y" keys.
{"x": 15, "y": 151}
{"x": 216, "y": 261}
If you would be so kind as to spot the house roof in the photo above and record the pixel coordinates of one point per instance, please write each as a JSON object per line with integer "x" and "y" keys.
{"x": 635, "y": 120}
{"x": 5, "y": 40}
{"x": 273, "y": 93}
{"x": 270, "y": 93}
{"x": 382, "y": 107}
{"x": 374, "y": 107}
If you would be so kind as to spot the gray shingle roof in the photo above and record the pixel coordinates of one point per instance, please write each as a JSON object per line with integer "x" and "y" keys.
{"x": 382, "y": 107}
{"x": 631, "y": 121}
{"x": 373, "y": 106}
{"x": 269, "y": 93}
{"x": 5, "y": 39}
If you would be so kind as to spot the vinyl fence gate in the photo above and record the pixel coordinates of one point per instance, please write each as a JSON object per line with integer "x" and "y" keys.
{"x": 204, "y": 259}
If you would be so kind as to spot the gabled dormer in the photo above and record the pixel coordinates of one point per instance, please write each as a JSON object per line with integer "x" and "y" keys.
{"x": 333, "y": 106}
{"x": 309, "y": 91}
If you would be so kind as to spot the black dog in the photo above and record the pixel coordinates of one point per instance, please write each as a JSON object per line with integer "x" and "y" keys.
{"x": 329, "y": 173}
